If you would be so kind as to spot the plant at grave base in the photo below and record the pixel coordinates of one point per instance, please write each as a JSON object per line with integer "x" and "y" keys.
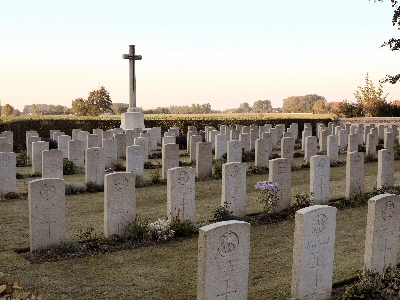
{"x": 274, "y": 156}
{"x": 123, "y": 157}
{"x": 11, "y": 196}
{"x": 156, "y": 155}
{"x": 321, "y": 152}
{"x": 137, "y": 230}
{"x": 379, "y": 147}
{"x": 139, "y": 181}
{"x": 155, "y": 176}
{"x": 369, "y": 157}
{"x": 361, "y": 148}
{"x": 89, "y": 238}
{"x": 187, "y": 163}
{"x": 52, "y": 143}
{"x": 116, "y": 167}
{"x": 160, "y": 230}
{"x": 302, "y": 200}
{"x": 22, "y": 159}
{"x": 64, "y": 247}
{"x": 376, "y": 286}
{"x": 68, "y": 167}
{"x": 305, "y": 165}
{"x": 269, "y": 195}
{"x": 15, "y": 291}
{"x": 74, "y": 188}
{"x": 222, "y": 213}
{"x": 181, "y": 140}
{"x": 257, "y": 169}
{"x": 148, "y": 165}
{"x": 183, "y": 228}
{"x": 19, "y": 175}
{"x": 92, "y": 187}
{"x": 217, "y": 168}
{"x": 248, "y": 155}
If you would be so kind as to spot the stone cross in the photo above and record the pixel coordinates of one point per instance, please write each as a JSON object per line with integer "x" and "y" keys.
{"x": 132, "y": 78}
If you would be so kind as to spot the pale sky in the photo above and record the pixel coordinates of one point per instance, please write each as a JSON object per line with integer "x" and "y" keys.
{"x": 220, "y": 52}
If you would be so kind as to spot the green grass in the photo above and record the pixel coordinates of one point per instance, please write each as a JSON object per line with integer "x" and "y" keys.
{"x": 168, "y": 271}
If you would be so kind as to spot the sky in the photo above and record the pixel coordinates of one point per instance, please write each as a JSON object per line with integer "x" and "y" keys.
{"x": 219, "y": 52}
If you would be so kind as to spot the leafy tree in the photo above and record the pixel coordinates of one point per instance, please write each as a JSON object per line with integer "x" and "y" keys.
{"x": 7, "y": 110}
{"x": 58, "y": 110}
{"x": 79, "y": 107}
{"x": 262, "y": 106}
{"x": 301, "y": 104}
{"x": 244, "y": 108}
{"x": 369, "y": 96}
{"x": 394, "y": 44}
{"x": 319, "y": 106}
{"x": 98, "y": 102}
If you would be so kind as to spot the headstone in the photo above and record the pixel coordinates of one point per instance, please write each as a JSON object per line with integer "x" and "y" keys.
{"x": 145, "y": 143}
{"x": 94, "y": 165}
{"x": 223, "y": 261}
{"x": 204, "y": 159}
{"x": 287, "y": 148}
{"x": 234, "y": 153}
{"x": 76, "y": 152}
{"x": 245, "y": 139}
{"x": 108, "y": 134}
{"x": 83, "y": 136}
{"x": 110, "y": 152}
{"x": 211, "y": 136}
{"x": 343, "y": 139}
{"x": 63, "y": 144}
{"x": 234, "y": 136}
{"x": 388, "y": 140}
{"x": 157, "y": 131}
{"x": 169, "y": 140}
{"x": 220, "y": 145}
{"x": 385, "y": 177}
{"x": 188, "y": 135}
{"x": 382, "y": 232}
{"x": 75, "y": 134}
{"x": 30, "y": 140}
{"x": 319, "y": 179}
{"x": 181, "y": 194}
{"x": 274, "y": 138}
{"x": 8, "y": 172}
{"x": 170, "y": 158}
{"x": 371, "y": 145}
{"x": 311, "y": 148}
{"x": 121, "y": 144}
{"x": 313, "y": 252}
{"x": 52, "y": 164}
{"x": 323, "y": 141}
{"x": 130, "y": 136}
{"x": 5, "y": 146}
{"x": 254, "y": 135}
{"x": 261, "y": 153}
{"x": 352, "y": 143}
{"x": 47, "y": 221}
{"x": 280, "y": 172}
{"x": 245, "y": 129}
{"x": 194, "y": 139}
{"x": 333, "y": 148}
{"x": 119, "y": 202}
{"x": 280, "y": 129}
{"x": 234, "y": 188}
{"x": 294, "y": 129}
{"x": 56, "y": 134}
{"x": 381, "y": 131}
{"x": 37, "y": 149}
{"x": 148, "y": 141}
{"x": 98, "y": 131}
{"x": 304, "y": 134}
{"x": 9, "y": 136}
{"x": 135, "y": 159}
{"x": 354, "y": 174}
{"x": 94, "y": 140}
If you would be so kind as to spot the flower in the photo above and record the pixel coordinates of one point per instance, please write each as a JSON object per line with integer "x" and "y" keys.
{"x": 266, "y": 185}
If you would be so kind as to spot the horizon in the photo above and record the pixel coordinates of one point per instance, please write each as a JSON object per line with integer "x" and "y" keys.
{"x": 223, "y": 53}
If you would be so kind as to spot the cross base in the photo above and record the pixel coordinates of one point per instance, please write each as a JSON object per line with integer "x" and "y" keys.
{"x": 131, "y": 120}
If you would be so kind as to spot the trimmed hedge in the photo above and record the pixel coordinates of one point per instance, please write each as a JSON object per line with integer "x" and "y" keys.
{"x": 43, "y": 126}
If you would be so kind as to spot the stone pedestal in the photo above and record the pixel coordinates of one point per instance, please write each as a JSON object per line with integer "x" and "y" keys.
{"x": 131, "y": 120}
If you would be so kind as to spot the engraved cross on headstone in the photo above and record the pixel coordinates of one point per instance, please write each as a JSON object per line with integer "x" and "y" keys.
{"x": 132, "y": 78}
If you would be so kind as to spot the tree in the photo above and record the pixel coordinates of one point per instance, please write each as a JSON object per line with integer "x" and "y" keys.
{"x": 262, "y": 106}
{"x": 244, "y": 108}
{"x": 58, "y": 110}
{"x": 369, "y": 96}
{"x": 98, "y": 102}
{"x": 301, "y": 104}
{"x": 7, "y": 110}
{"x": 394, "y": 44}
{"x": 79, "y": 107}
{"x": 319, "y": 106}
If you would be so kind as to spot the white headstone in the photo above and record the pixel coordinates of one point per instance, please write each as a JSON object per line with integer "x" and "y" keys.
{"x": 52, "y": 164}
{"x": 8, "y": 171}
{"x": 354, "y": 174}
{"x": 319, "y": 179}
{"x": 234, "y": 188}
{"x": 94, "y": 165}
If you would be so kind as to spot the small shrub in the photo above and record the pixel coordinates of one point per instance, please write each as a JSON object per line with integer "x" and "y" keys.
{"x": 155, "y": 176}
{"x": 187, "y": 163}
{"x": 321, "y": 152}
{"x": 74, "y": 188}
{"x": 269, "y": 197}
{"x": 369, "y": 157}
{"x": 274, "y": 156}
{"x": 379, "y": 147}
{"x": 361, "y": 148}
{"x": 22, "y": 159}
{"x": 298, "y": 154}
{"x": 52, "y": 143}
{"x": 68, "y": 167}
{"x": 375, "y": 286}
{"x": 222, "y": 213}
{"x": 257, "y": 169}
{"x": 137, "y": 229}
{"x": 305, "y": 165}
{"x": 217, "y": 168}
{"x": 302, "y": 200}
{"x": 139, "y": 181}
{"x": 89, "y": 238}
{"x": 65, "y": 247}
{"x": 156, "y": 155}
{"x": 148, "y": 165}
{"x": 381, "y": 141}
{"x": 92, "y": 187}
{"x": 116, "y": 167}
{"x": 248, "y": 155}
{"x": 19, "y": 175}
{"x": 11, "y": 196}
{"x": 183, "y": 228}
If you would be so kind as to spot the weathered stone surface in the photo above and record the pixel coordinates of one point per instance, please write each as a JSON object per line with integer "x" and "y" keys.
{"x": 119, "y": 202}
{"x": 110, "y": 152}
{"x": 319, "y": 179}
{"x": 382, "y": 233}
{"x": 204, "y": 159}
{"x": 234, "y": 188}
{"x": 76, "y": 152}
{"x": 135, "y": 159}
{"x": 94, "y": 165}
{"x": 234, "y": 153}
{"x": 354, "y": 174}
{"x": 220, "y": 145}
{"x": 181, "y": 194}
{"x": 313, "y": 252}
{"x": 223, "y": 261}
{"x": 37, "y": 149}
{"x": 52, "y": 164}
{"x": 311, "y": 148}
{"x": 8, "y": 171}
{"x": 385, "y": 177}
{"x": 280, "y": 172}
{"x": 170, "y": 158}
{"x": 47, "y": 222}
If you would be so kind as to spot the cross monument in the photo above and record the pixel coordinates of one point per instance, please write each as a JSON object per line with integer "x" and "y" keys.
{"x": 132, "y": 118}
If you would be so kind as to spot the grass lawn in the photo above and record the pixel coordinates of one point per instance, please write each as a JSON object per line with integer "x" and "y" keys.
{"x": 168, "y": 271}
